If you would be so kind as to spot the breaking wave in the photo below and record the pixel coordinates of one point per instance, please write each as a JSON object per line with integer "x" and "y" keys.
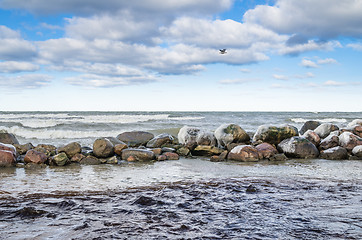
{"x": 325, "y": 120}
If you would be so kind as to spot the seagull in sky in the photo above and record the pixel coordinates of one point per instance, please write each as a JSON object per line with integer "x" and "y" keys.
{"x": 222, "y": 51}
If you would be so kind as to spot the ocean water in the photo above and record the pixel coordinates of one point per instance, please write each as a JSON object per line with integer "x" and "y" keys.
{"x": 183, "y": 199}
{"x": 59, "y": 128}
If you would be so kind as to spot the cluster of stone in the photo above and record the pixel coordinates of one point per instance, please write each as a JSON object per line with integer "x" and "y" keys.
{"x": 227, "y": 142}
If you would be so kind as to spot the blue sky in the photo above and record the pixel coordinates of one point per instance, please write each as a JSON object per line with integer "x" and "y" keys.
{"x": 159, "y": 55}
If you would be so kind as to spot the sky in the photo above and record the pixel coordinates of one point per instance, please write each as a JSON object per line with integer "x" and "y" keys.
{"x": 163, "y": 55}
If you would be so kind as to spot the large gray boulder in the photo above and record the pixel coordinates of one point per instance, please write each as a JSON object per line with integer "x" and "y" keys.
{"x": 273, "y": 134}
{"x": 325, "y": 129}
{"x": 309, "y": 125}
{"x": 103, "y": 148}
{"x": 298, "y": 147}
{"x": 230, "y": 133}
{"x": 188, "y": 135}
{"x": 244, "y": 153}
{"x": 160, "y": 140}
{"x": 138, "y": 154}
{"x": 135, "y": 138}
{"x": 335, "y": 153}
{"x": 8, "y": 138}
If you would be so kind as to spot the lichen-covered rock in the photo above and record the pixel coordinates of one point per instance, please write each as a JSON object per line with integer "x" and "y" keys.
{"x": 187, "y": 135}
{"x": 160, "y": 140}
{"x": 349, "y": 140}
{"x": 309, "y": 125}
{"x": 61, "y": 159}
{"x": 205, "y": 138}
{"x": 230, "y": 133}
{"x": 22, "y": 149}
{"x": 325, "y": 129}
{"x": 138, "y": 154}
{"x": 245, "y": 153}
{"x": 202, "y": 150}
{"x": 71, "y": 149}
{"x": 266, "y": 150}
{"x": 183, "y": 151}
{"x": 7, "y": 158}
{"x": 298, "y": 147}
{"x": 171, "y": 156}
{"x": 90, "y": 160}
{"x": 335, "y": 153}
{"x": 34, "y": 156}
{"x": 273, "y": 134}
{"x": 357, "y": 151}
{"x": 103, "y": 148}
{"x": 329, "y": 142}
{"x": 135, "y": 138}
{"x": 119, "y": 148}
{"x": 312, "y": 137}
{"x": 47, "y": 149}
{"x": 8, "y": 138}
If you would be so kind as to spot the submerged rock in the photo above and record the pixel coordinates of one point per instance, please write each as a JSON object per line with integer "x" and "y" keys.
{"x": 34, "y": 156}
{"x": 274, "y": 135}
{"x": 230, "y": 133}
{"x": 7, "y": 158}
{"x": 8, "y": 138}
{"x": 138, "y": 154}
{"x": 349, "y": 140}
{"x": 309, "y": 125}
{"x": 266, "y": 150}
{"x": 335, "y": 153}
{"x": 202, "y": 150}
{"x": 298, "y": 147}
{"x": 135, "y": 138}
{"x": 325, "y": 129}
{"x": 160, "y": 140}
{"x": 103, "y": 148}
{"x": 70, "y": 149}
{"x": 278, "y": 157}
{"x": 245, "y": 153}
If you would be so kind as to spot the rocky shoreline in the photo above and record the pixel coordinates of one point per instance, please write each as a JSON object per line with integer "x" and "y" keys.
{"x": 227, "y": 142}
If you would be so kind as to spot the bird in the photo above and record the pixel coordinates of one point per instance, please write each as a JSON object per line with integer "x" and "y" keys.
{"x": 222, "y": 51}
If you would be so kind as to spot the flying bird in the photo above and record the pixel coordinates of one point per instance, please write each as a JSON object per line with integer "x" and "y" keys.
{"x": 222, "y": 51}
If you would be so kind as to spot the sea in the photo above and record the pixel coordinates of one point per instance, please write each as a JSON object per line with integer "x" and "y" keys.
{"x": 190, "y": 198}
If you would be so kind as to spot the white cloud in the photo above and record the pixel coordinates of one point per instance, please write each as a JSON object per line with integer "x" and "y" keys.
{"x": 355, "y": 46}
{"x": 245, "y": 70}
{"x": 331, "y": 83}
{"x": 310, "y": 45}
{"x": 28, "y": 81}
{"x": 280, "y": 77}
{"x": 311, "y": 64}
{"x": 14, "y": 67}
{"x": 308, "y": 63}
{"x": 327, "y": 61}
{"x": 237, "y": 81}
{"x": 307, "y": 75}
{"x": 322, "y": 19}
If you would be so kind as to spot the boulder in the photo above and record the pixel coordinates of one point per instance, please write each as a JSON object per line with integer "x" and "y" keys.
{"x": 8, "y": 138}
{"x": 161, "y": 158}
{"x": 171, "y": 156}
{"x": 356, "y": 129}
{"x": 157, "y": 151}
{"x": 222, "y": 157}
{"x": 312, "y": 137}
{"x": 22, "y": 149}
{"x": 86, "y": 151}
{"x": 135, "y": 138}
{"x": 90, "y": 160}
{"x": 355, "y": 122}
{"x": 329, "y": 142}
{"x": 274, "y": 135}
{"x": 77, "y": 158}
{"x": 202, "y": 150}
{"x": 357, "y": 151}
{"x": 183, "y": 151}
{"x": 266, "y": 150}
{"x": 70, "y": 149}
{"x": 230, "y": 133}
{"x": 61, "y": 159}
{"x": 349, "y": 140}
{"x": 111, "y": 160}
{"x": 119, "y": 148}
{"x": 7, "y": 158}
{"x": 278, "y": 157}
{"x": 309, "y": 125}
{"x": 8, "y": 147}
{"x": 115, "y": 141}
{"x": 325, "y": 129}
{"x": 245, "y": 153}
{"x": 47, "y": 149}
{"x": 298, "y": 147}
{"x": 34, "y": 156}
{"x": 206, "y": 138}
{"x": 187, "y": 135}
{"x": 335, "y": 153}
{"x": 103, "y": 148}
{"x": 160, "y": 140}
{"x": 138, "y": 154}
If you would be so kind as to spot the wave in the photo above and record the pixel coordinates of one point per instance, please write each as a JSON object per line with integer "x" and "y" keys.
{"x": 325, "y": 120}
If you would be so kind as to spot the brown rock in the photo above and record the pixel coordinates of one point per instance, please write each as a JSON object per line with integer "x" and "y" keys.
{"x": 138, "y": 154}
{"x": 266, "y": 150}
{"x": 274, "y": 135}
{"x": 131, "y": 159}
{"x": 349, "y": 140}
{"x": 34, "y": 156}
{"x": 329, "y": 142}
{"x": 309, "y": 125}
{"x": 7, "y": 158}
{"x": 8, "y": 147}
{"x": 119, "y": 148}
{"x": 230, "y": 133}
{"x": 90, "y": 160}
{"x": 71, "y": 149}
{"x": 103, "y": 148}
{"x": 312, "y": 137}
{"x": 157, "y": 151}
{"x": 161, "y": 158}
{"x": 22, "y": 149}
{"x": 160, "y": 140}
{"x": 8, "y": 138}
{"x": 171, "y": 156}
{"x": 47, "y": 149}
{"x": 135, "y": 138}
{"x": 245, "y": 153}
{"x": 77, "y": 157}
{"x": 202, "y": 150}
{"x": 335, "y": 153}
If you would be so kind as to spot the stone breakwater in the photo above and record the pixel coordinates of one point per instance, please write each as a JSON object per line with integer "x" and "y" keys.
{"x": 227, "y": 142}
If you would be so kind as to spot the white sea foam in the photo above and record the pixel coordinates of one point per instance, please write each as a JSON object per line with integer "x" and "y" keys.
{"x": 325, "y": 120}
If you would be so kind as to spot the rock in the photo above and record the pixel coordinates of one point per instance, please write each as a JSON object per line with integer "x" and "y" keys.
{"x": 71, "y": 149}
{"x": 90, "y": 160}
{"x": 222, "y": 157}
{"x": 7, "y": 159}
{"x": 47, "y": 149}
{"x": 298, "y": 147}
{"x": 171, "y": 156}
{"x": 274, "y": 135}
{"x": 8, "y": 138}
{"x": 309, "y": 125}
{"x": 266, "y": 150}
{"x": 312, "y": 137}
{"x": 8, "y": 147}
{"x": 138, "y": 154}
{"x": 355, "y": 122}
{"x": 335, "y": 153}
{"x": 61, "y": 159}
{"x": 119, "y": 148}
{"x": 325, "y": 129}
{"x": 168, "y": 149}
{"x": 86, "y": 151}
{"x": 187, "y": 135}
{"x": 135, "y": 138}
{"x": 77, "y": 158}
{"x": 131, "y": 159}
{"x": 160, "y": 140}
{"x": 115, "y": 141}
{"x": 278, "y": 157}
{"x": 111, "y": 160}
{"x": 206, "y": 139}
{"x": 157, "y": 151}
{"x": 356, "y": 129}
{"x": 349, "y": 140}
{"x": 245, "y": 153}
{"x": 161, "y": 158}
{"x": 230, "y": 133}
{"x": 357, "y": 151}
{"x": 202, "y": 150}
{"x": 329, "y": 142}
{"x": 22, "y": 149}
{"x": 183, "y": 151}
{"x": 103, "y": 148}
{"x": 34, "y": 156}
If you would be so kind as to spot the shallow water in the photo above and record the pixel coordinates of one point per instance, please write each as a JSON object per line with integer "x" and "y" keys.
{"x": 184, "y": 199}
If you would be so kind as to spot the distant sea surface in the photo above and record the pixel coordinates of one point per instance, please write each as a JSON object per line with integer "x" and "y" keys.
{"x": 59, "y": 128}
